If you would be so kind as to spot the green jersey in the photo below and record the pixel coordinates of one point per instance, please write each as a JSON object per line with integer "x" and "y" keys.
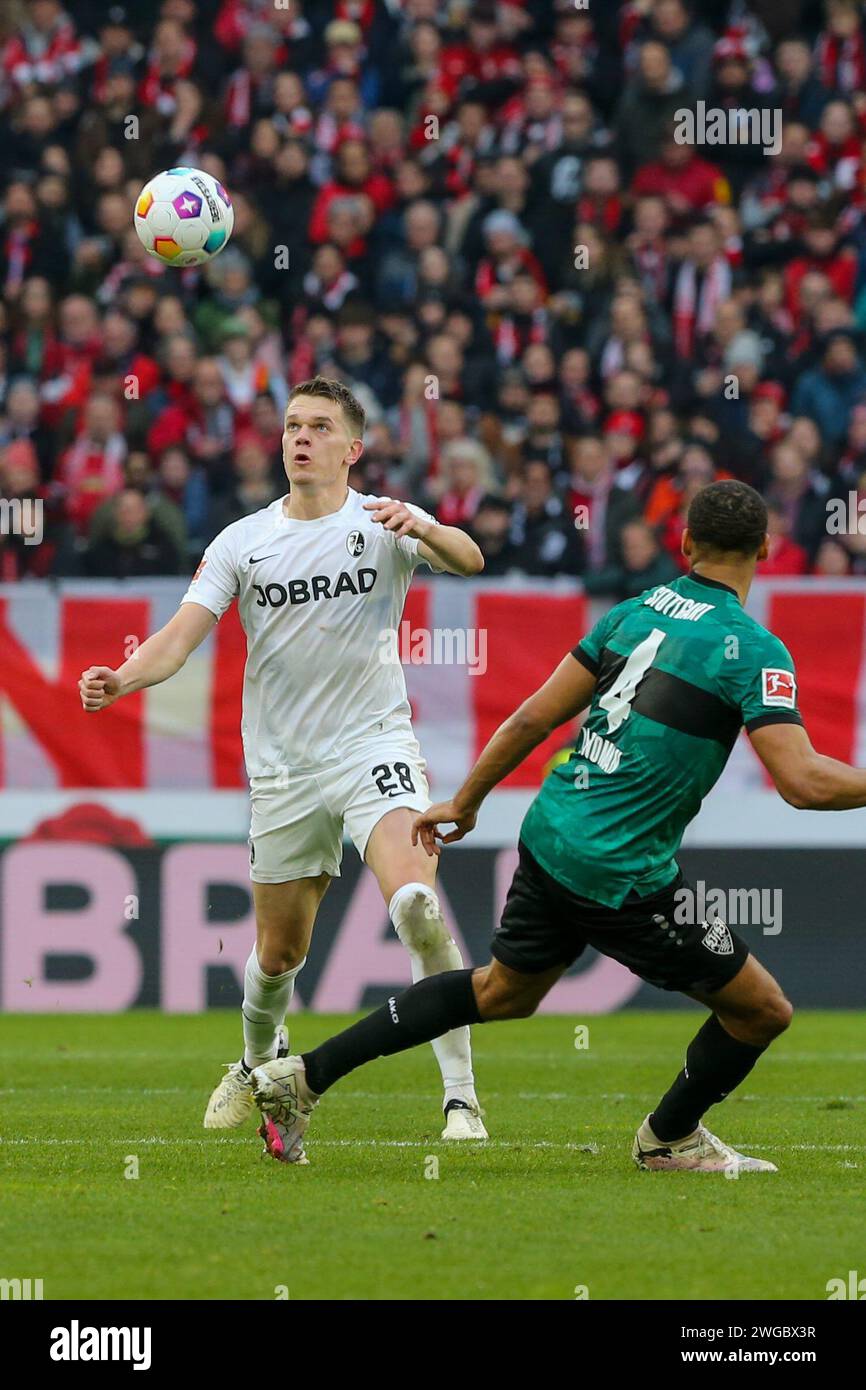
{"x": 680, "y": 670}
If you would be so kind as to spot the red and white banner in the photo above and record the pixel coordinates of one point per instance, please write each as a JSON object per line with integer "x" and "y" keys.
{"x": 184, "y": 734}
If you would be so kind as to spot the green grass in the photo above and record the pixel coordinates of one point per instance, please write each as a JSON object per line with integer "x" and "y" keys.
{"x": 551, "y": 1203}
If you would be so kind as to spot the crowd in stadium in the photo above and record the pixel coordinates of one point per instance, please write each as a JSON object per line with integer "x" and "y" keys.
{"x": 560, "y": 320}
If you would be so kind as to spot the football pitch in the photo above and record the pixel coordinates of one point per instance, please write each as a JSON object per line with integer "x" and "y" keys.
{"x": 551, "y": 1207}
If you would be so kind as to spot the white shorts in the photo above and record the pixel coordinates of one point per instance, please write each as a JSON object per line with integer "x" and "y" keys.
{"x": 296, "y": 830}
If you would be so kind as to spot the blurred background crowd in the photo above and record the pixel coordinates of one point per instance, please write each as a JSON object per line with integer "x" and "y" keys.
{"x": 412, "y": 180}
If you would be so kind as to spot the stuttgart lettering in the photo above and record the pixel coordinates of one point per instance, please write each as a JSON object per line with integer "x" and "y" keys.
{"x": 664, "y": 600}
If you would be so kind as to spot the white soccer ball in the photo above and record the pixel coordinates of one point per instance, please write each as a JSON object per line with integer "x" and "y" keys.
{"x": 183, "y": 217}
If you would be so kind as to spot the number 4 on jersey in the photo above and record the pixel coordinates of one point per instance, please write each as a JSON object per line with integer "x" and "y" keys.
{"x": 617, "y": 700}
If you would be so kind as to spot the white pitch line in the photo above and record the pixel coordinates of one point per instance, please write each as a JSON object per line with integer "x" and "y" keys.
{"x": 589, "y": 1147}
{"x": 348, "y": 1097}
{"x": 333, "y": 1143}
{"x": 105, "y": 1090}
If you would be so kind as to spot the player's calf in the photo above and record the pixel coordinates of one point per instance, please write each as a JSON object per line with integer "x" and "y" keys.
{"x": 505, "y": 993}
{"x": 419, "y": 922}
{"x": 748, "y": 1013}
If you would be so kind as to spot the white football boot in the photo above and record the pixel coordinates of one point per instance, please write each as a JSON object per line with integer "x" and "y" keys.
{"x": 463, "y": 1121}
{"x": 232, "y": 1100}
{"x": 700, "y": 1152}
{"x": 280, "y": 1090}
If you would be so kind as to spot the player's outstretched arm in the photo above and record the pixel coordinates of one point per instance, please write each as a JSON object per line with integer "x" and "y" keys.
{"x": 806, "y": 779}
{"x": 445, "y": 547}
{"x": 563, "y": 695}
{"x": 154, "y": 661}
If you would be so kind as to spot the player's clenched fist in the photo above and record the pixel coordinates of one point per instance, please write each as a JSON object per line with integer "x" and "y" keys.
{"x": 99, "y": 687}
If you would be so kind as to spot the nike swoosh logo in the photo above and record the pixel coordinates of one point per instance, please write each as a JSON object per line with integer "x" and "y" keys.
{"x": 254, "y": 559}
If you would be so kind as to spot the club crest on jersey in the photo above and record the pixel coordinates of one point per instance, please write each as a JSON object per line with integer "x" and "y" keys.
{"x": 780, "y": 688}
{"x": 717, "y": 938}
{"x": 355, "y": 543}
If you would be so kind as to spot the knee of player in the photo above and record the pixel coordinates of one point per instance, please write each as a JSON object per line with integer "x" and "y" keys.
{"x": 769, "y": 1017}
{"x": 522, "y": 1006}
{"x": 277, "y": 959}
{"x": 417, "y": 917}
{"x": 777, "y": 1013}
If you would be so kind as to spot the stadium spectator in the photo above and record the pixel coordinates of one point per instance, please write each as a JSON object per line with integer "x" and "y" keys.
{"x": 799, "y": 93}
{"x": 441, "y": 276}
{"x": 828, "y": 393}
{"x": 491, "y": 530}
{"x": 466, "y": 479}
{"x": 205, "y": 425}
{"x": 800, "y": 494}
{"x": 253, "y": 487}
{"x": 92, "y": 468}
{"x": 28, "y": 549}
{"x": 702, "y": 285}
{"x": 643, "y": 564}
{"x": 543, "y": 533}
{"x": 185, "y": 488}
{"x": 689, "y": 42}
{"x": 649, "y": 102}
{"x": 852, "y": 462}
{"x": 21, "y": 421}
{"x": 599, "y": 506}
{"x": 136, "y": 545}
{"x": 784, "y": 556}
{"x": 27, "y": 246}
{"x": 832, "y": 560}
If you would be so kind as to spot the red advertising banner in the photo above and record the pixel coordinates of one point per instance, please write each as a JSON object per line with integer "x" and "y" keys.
{"x": 186, "y": 734}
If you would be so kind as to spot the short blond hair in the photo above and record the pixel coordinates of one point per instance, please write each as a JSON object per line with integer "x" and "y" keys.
{"x": 332, "y": 391}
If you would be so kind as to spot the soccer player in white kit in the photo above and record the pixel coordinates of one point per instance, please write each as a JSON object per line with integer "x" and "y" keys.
{"x": 321, "y": 577}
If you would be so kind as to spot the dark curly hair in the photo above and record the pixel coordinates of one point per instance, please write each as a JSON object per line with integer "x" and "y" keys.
{"x": 728, "y": 516}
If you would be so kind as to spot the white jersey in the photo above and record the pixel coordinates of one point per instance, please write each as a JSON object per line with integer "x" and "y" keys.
{"x": 320, "y": 602}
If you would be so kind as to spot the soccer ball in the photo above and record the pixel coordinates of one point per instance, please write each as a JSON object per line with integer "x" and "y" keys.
{"x": 183, "y": 217}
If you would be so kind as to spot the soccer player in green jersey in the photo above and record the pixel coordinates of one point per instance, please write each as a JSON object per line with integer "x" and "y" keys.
{"x": 669, "y": 679}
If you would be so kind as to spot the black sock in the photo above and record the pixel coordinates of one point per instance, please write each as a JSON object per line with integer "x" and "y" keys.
{"x": 715, "y": 1064}
{"x": 425, "y": 1011}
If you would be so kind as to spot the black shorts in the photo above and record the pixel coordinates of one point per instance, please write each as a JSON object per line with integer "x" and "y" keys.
{"x": 544, "y": 925}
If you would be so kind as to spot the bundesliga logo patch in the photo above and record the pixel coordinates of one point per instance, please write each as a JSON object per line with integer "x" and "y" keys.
{"x": 717, "y": 939}
{"x": 780, "y": 688}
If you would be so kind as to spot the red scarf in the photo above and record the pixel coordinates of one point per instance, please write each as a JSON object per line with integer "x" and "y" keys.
{"x": 156, "y": 88}
{"x": 651, "y": 261}
{"x": 19, "y": 254}
{"x": 695, "y": 314}
{"x": 511, "y": 339}
{"x": 842, "y": 62}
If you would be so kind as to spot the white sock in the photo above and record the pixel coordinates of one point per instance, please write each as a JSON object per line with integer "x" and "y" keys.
{"x": 418, "y": 921}
{"x": 266, "y": 1002}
